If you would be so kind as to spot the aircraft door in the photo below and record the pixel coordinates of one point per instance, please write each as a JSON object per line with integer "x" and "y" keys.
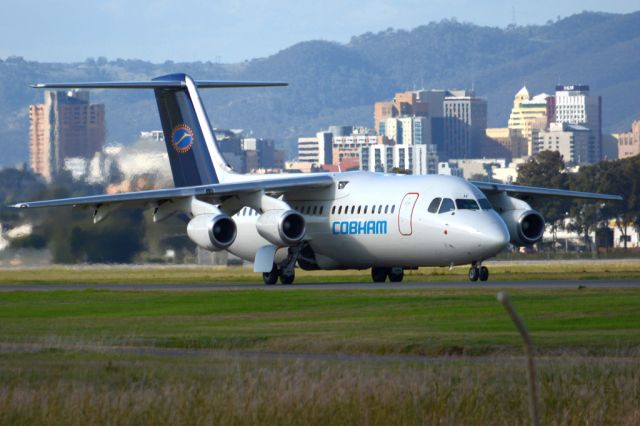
{"x": 405, "y": 214}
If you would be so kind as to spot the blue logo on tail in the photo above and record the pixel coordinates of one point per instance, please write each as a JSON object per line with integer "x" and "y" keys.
{"x": 182, "y": 138}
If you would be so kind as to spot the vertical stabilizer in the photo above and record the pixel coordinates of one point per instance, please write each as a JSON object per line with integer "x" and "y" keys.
{"x": 193, "y": 151}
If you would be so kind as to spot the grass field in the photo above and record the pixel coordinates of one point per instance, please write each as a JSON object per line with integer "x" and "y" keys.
{"x": 500, "y": 271}
{"x": 305, "y": 356}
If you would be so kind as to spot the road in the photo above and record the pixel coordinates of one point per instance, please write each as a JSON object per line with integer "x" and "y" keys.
{"x": 494, "y": 285}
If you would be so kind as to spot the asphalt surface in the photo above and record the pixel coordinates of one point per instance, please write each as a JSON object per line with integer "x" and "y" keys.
{"x": 494, "y": 285}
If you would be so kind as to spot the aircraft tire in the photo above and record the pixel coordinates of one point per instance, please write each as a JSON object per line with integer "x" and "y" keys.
{"x": 379, "y": 275}
{"x": 484, "y": 273}
{"x": 474, "y": 273}
{"x": 270, "y": 278}
{"x": 287, "y": 279}
{"x": 396, "y": 277}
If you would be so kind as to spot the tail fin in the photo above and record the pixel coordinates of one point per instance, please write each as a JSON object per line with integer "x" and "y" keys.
{"x": 193, "y": 151}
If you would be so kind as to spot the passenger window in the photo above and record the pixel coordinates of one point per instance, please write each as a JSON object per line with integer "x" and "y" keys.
{"x": 380, "y": 209}
{"x": 466, "y": 204}
{"x": 386, "y": 209}
{"x": 340, "y": 210}
{"x": 353, "y": 209}
{"x": 433, "y": 207}
{"x": 321, "y": 210}
{"x": 333, "y": 210}
{"x": 485, "y": 204}
{"x": 365, "y": 209}
{"x": 315, "y": 209}
{"x": 447, "y": 206}
{"x": 359, "y": 209}
{"x": 393, "y": 208}
{"x": 373, "y": 209}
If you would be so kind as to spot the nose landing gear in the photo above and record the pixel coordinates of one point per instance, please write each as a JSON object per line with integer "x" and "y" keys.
{"x": 478, "y": 273}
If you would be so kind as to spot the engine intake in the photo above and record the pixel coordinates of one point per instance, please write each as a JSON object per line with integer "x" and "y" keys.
{"x": 525, "y": 226}
{"x": 212, "y": 231}
{"x": 281, "y": 227}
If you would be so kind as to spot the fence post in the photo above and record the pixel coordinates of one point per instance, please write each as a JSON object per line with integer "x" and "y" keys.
{"x": 504, "y": 299}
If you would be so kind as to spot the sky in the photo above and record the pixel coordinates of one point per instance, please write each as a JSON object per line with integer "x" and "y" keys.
{"x": 233, "y": 31}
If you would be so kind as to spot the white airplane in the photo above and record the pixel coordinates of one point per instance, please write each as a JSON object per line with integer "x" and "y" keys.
{"x": 352, "y": 220}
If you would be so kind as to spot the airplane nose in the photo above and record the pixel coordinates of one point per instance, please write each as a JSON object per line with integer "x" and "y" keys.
{"x": 495, "y": 235}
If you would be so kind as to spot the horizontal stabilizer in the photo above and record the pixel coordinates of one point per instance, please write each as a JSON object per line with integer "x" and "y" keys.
{"x": 156, "y": 84}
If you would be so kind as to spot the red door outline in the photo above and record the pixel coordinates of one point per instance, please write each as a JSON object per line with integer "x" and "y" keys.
{"x": 410, "y": 215}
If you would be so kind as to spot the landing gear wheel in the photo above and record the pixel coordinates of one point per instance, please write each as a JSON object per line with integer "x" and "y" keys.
{"x": 474, "y": 273}
{"x": 396, "y": 275}
{"x": 379, "y": 275}
{"x": 484, "y": 273}
{"x": 270, "y": 278}
{"x": 286, "y": 278}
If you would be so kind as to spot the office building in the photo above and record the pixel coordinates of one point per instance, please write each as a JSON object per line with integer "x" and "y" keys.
{"x": 572, "y": 141}
{"x": 66, "y": 125}
{"x": 416, "y": 159}
{"x": 574, "y": 105}
{"x": 465, "y": 124}
{"x": 629, "y": 142}
{"x": 346, "y": 148}
{"x": 527, "y": 113}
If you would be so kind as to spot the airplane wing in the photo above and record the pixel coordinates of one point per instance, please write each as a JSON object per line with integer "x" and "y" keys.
{"x": 212, "y": 193}
{"x": 492, "y": 188}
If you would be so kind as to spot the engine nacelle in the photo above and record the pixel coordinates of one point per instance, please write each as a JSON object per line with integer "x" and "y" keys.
{"x": 212, "y": 231}
{"x": 281, "y": 227}
{"x": 525, "y": 226}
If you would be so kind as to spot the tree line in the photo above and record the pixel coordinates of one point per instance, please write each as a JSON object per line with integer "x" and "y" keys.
{"x": 620, "y": 177}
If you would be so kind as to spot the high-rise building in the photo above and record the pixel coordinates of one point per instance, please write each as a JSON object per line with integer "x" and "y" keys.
{"x": 465, "y": 124}
{"x": 403, "y": 104}
{"x": 574, "y": 105}
{"x": 66, "y": 125}
{"x": 572, "y": 141}
{"x": 629, "y": 142}
{"x": 528, "y": 112}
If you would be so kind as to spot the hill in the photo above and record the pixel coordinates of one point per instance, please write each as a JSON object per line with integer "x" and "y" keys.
{"x": 333, "y": 83}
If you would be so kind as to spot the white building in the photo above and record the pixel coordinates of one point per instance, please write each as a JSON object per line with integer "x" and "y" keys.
{"x": 574, "y": 142}
{"x": 482, "y": 166}
{"x": 419, "y": 159}
{"x": 316, "y": 150}
{"x": 574, "y": 105}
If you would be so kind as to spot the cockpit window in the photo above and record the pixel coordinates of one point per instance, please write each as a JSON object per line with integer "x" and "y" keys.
{"x": 485, "y": 204}
{"x": 466, "y": 204}
{"x": 447, "y": 206}
{"x": 433, "y": 207}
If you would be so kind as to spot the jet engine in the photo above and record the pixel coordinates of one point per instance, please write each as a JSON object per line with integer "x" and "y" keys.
{"x": 526, "y": 226}
{"x": 212, "y": 231}
{"x": 281, "y": 227}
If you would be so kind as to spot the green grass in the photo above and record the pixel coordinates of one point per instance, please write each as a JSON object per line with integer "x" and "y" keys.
{"x": 380, "y": 321}
{"x": 250, "y": 356}
{"x": 500, "y": 271}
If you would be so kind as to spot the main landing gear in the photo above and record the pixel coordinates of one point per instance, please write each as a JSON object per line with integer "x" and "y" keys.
{"x": 286, "y": 271}
{"x": 271, "y": 277}
{"x": 379, "y": 275}
{"x": 478, "y": 272}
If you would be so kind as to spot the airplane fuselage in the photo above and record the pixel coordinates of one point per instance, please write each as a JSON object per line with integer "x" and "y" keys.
{"x": 370, "y": 219}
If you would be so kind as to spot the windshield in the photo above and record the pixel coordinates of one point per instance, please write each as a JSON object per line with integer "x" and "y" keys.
{"x": 485, "y": 204}
{"x": 466, "y": 204}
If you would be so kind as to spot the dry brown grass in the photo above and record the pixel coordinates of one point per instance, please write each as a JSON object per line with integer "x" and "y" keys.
{"x": 63, "y": 388}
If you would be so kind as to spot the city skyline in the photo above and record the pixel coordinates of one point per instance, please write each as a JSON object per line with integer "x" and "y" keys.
{"x": 229, "y": 32}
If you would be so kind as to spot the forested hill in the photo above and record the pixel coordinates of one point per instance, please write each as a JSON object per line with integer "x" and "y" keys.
{"x": 333, "y": 83}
